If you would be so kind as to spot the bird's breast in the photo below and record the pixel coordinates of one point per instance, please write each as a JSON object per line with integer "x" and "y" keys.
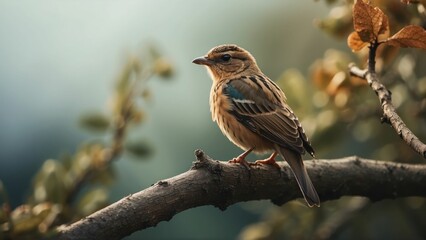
{"x": 220, "y": 107}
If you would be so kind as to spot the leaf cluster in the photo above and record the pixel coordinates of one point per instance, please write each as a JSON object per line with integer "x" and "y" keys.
{"x": 372, "y": 27}
{"x": 75, "y": 186}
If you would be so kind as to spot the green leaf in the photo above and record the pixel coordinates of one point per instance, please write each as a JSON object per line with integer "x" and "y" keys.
{"x": 163, "y": 68}
{"x": 104, "y": 176}
{"x": 92, "y": 201}
{"x": 24, "y": 220}
{"x": 49, "y": 183}
{"x": 95, "y": 122}
{"x": 140, "y": 149}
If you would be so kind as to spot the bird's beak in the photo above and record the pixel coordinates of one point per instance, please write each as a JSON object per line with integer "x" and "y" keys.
{"x": 203, "y": 61}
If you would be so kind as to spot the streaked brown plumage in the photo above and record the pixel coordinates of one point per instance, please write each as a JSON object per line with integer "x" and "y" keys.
{"x": 251, "y": 110}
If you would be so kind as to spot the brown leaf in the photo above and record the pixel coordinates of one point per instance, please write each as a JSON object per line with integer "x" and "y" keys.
{"x": 368, "y": 20}
{"x": 409, "y": 36}
{"x": 355, "y": 42}
{"x": 384, "y": 29}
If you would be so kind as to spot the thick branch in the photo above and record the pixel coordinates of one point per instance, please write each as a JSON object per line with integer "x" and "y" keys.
{"x": 389, "y": 113}
{"x": 211, "y": 182}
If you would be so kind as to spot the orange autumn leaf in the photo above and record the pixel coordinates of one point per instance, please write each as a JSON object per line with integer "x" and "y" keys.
{"x": 409, "y": 36}
{"x": 368, "y": 21}
{"x": 355, "y": 42}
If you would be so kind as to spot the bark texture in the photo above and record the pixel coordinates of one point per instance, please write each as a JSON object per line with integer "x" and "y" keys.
{"x": 221, "y": 184}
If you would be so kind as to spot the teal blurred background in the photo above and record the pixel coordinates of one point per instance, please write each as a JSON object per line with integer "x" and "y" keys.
{"x": 60, "y": 59}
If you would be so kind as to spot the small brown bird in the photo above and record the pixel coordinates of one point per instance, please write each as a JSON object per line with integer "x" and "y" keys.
{"x": 251, "y": 110}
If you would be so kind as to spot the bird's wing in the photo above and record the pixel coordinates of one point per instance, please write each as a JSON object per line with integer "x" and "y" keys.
{"x": 262, "y": 113}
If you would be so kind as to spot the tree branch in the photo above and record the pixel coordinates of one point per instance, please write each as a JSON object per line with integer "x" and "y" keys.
{"x": 221, "y": 184}
{"x": 389, "y": 113}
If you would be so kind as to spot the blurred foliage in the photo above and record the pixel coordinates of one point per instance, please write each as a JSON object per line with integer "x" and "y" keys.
{"x": 140, "y": 149}
{"x": 339, "y": 111}
{"x": 347, "y": 218}
{"x": 95, "y": 121}
{"x": 65, "y": 190}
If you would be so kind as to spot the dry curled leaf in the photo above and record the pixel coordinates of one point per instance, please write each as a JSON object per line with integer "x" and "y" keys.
{"x": 409, "y": 36}
{"x": 370, "y": 25}
{"x": 368, "y": 21}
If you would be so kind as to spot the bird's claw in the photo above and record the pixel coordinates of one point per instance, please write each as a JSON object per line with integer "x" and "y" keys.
{"x": 241, "y": 161}
{"x": 268, "y": 161}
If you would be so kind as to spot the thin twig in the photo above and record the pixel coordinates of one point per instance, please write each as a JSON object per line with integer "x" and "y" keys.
{"x": 389, "y": 113}
{"x": 120, "y": 125}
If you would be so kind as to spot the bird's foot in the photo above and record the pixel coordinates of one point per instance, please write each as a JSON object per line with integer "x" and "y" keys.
{"x": 269, "y": 161}
{"x": 241, "y": 159}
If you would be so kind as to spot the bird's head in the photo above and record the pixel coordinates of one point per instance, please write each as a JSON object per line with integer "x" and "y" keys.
{"x": 227, "y": 61}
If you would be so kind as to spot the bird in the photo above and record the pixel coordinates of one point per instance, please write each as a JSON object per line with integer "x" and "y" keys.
{"x": 252, "y": 111}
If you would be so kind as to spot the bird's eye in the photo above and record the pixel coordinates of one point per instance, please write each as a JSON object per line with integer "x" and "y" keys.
{"x": 226, "y": 57}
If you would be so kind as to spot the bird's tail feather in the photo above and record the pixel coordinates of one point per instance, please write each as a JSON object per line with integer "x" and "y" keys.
{"x": 298, "y": 168}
